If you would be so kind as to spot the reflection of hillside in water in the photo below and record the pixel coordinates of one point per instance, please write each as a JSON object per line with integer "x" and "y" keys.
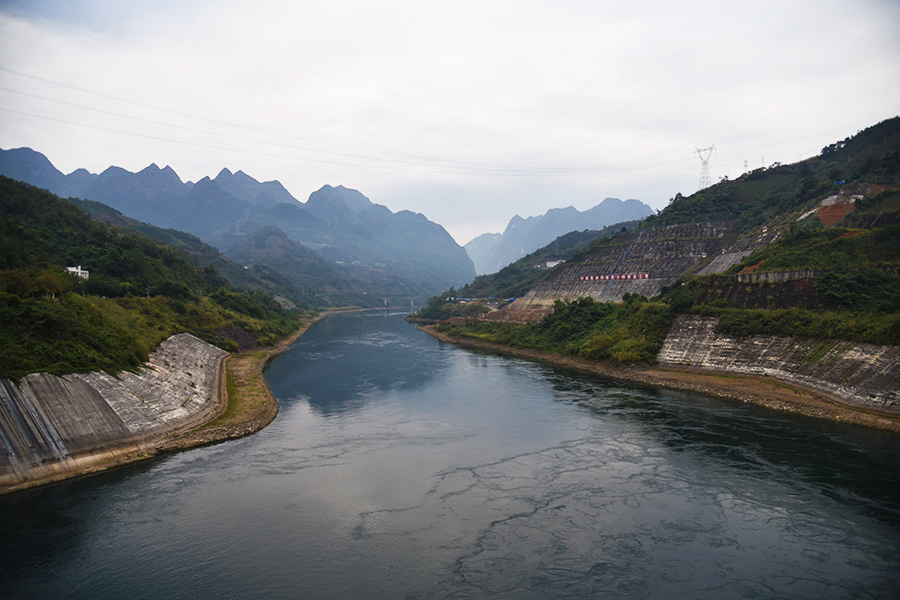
{"x": 335, "y": 371}
{"x": 475, "y": 476}
{"x": 802, "y": 452}
{"x": 56, "y": 524}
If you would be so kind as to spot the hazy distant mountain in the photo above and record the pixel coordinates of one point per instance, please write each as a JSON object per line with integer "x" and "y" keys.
{"x": 322, "y": 202}
{"x": 493, "y": 251}
{"x": 244, "y": 187}
{"x": 202, "y": 254}
{"x": 328, "y": 283}
{"x": 405, "y": 243}
{"x": 342, "y": 225}
{"x": 481, "y": 249}
{"x": 205, "y": 210}
{"x": 149, "y": 195}
{"x": 24, "y": 164}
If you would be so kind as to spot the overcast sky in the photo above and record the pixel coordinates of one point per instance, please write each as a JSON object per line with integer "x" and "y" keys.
{"x": 467, "y": 111}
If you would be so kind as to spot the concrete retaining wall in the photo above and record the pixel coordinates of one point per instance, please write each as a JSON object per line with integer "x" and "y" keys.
{"x": 862, "y": 375}
{"x": 777, "y": 276}
{"x": 723, "y": 262}
{"x": 663, "y": 253}
{"x": 50, "y": 423}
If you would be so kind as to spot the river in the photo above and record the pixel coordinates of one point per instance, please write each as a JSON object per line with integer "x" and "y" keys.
{"x": 404, "y": 468}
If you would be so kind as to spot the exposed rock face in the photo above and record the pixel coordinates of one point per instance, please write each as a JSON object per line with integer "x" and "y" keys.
{"x": 53, "y": 424}
{"x": 862, "y": 375}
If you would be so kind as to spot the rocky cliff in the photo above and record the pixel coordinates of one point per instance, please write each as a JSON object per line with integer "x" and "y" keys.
{"x": 54, "y": 425}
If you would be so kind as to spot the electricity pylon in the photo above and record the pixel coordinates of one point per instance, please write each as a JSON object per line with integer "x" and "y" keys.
{"x": 703, "y": 154}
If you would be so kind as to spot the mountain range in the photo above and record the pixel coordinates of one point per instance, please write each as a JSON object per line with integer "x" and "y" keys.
{"x": 493, "y": 251}
{"x": 380, "y": 251}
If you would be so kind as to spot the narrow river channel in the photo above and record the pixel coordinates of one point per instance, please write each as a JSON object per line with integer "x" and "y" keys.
{"x": 404, "y": 468}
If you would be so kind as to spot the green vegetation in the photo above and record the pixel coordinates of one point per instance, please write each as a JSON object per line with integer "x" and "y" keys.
{"x": 835, "y": 249}
{"x": 514, "y": 280}
{"x": 517, "y": 278}
{"x": 856, "y": 292}
{"x": 139, "y": 292}
{"x": 248, "y": 395}
{"x": 802, "y": 322}
{"x": 205, "y": 257}
{"x": 757, "y": 197}
{"x": 876, "y": 211}
{"x": 631, "y": 332}
{"x": 511, "y": 281}
{"x": 445, "y": 306}
{"x": 853, "y": 294}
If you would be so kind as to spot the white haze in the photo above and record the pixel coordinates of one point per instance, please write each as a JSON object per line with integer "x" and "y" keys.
{"x": 468, "y": 112}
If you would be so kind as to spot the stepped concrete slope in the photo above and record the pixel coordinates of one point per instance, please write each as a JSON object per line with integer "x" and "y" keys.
{"x": 639, "y": 262}
{"x": 865, "y": 376}
{"x": 493, "y": 251}
{"x": 53, "y": 425}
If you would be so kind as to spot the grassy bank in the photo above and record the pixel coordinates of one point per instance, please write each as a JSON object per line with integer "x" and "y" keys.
{"x": 628, "y": 333}
{"x": 250, "y": 404}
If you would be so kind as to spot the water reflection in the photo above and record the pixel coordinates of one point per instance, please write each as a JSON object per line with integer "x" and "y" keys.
{"x": 403, "y": 468}
{"x": 50, "y": 527}
{"x": 855, "y": 464}
{"x": 346, "y": 360}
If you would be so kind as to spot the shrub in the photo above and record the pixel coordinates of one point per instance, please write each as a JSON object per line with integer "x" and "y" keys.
{"x": 630, "y": 333}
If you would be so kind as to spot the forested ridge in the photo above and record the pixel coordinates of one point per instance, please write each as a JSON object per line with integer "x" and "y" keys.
{"x": 139, "y": 292}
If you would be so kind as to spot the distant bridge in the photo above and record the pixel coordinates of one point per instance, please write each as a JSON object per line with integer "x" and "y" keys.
{"x": 403, "y": 301}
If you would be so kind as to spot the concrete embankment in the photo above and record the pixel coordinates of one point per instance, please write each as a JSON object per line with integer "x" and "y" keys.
{"x": 864, "y": 376}
{"x": 640, "y": 262}
{"x": 52, "y": 427}
{"x": 868, "y": 399}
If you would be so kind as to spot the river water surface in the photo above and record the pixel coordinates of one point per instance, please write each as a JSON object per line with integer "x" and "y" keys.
{"x": 401, "y": 467}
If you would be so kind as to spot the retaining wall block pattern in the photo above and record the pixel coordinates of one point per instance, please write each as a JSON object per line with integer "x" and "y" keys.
{"x": 664, "y": 253}
{"x": 46, "y": 419}
{"x": 862, "y": 375}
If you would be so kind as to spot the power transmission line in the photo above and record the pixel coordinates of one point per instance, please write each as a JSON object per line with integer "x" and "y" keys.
{"x": 446, "y": 162}
{"x": 387, "y": 162}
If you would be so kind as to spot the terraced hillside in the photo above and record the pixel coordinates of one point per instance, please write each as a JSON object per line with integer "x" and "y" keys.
{"x": 637, "y": 262}
{"x": 805, "y": 251}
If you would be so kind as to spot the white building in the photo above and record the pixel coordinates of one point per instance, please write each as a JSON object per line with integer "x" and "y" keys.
{"x": 77, "y": 272}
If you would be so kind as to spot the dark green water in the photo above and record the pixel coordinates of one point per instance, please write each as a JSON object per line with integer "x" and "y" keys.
{"x": 403, "y": 468}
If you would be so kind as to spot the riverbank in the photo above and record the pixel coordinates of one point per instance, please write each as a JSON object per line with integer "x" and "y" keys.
{"x": 249, "y": 405}
{"x": 243, "y": 405}
{"x": 762, "y": 391}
